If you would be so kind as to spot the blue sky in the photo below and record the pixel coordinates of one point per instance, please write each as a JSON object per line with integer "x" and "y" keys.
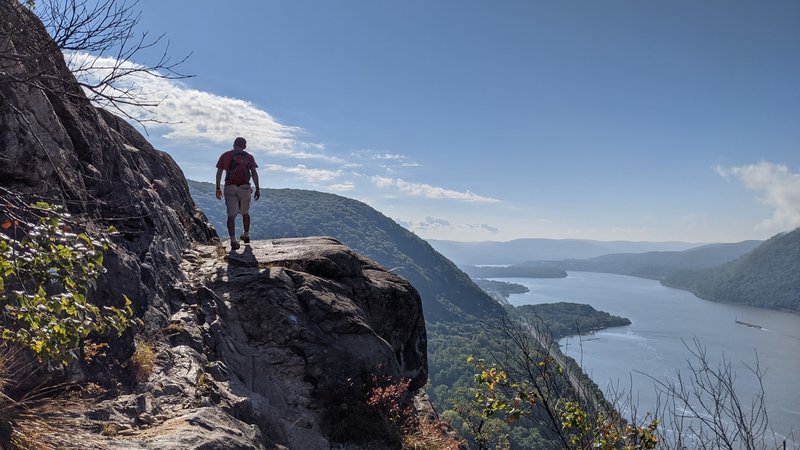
{"x": 479, "y": 120}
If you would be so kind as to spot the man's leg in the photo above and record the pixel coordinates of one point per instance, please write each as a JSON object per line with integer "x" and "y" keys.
{"x": 232, "y": 227}
{"x": 232, "y": 206}
{"x": 244, "y": 207}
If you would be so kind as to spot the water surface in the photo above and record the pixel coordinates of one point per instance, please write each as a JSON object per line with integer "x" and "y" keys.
{"x": 664, "y": 320}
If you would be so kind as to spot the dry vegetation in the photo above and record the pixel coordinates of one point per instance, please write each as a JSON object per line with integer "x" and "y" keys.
{"x": 143, "y": 361}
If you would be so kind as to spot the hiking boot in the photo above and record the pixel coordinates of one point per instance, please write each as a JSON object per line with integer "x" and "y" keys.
{"x": 245, "y": 238}
{"x": 235, "y": 245}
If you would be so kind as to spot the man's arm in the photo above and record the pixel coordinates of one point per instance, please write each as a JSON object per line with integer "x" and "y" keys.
{"x": 254, "y": 175}
{"x": 218, "y": 191}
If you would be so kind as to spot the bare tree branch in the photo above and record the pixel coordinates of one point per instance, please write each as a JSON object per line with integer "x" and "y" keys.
{"x": 103, "y": 49}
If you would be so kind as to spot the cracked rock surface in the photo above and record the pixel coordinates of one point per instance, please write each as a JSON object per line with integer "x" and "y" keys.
{"x": 272, "y": 346}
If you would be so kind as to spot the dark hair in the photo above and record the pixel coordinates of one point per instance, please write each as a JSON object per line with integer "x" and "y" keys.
{"x": 240, "y": 142}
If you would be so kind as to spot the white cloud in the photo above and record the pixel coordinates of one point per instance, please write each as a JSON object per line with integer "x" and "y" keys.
{"x": 394, "y": 156}
{"x": 309, "y": 173}
{"x": 342, "y": 187}
{"x": 382, "y": 182}
{"x": 430, "y": 223}
{"x": 428, "y": 191}
{"x": 189, "y": 114}
{"x": 778, "y": 187}
{"x": 388, "y": 161}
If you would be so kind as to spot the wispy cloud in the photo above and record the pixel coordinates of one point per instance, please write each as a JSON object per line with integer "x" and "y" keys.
{"x": 342, "y": 187}
{"x": 190, "y": 115}
{"x": 428, "y": 191}
{"x": 309, "y": 173}
{"x": 484, "y": 227}
{"x": 430, "y": 223}
{"x": 388, "y": 162}
{"x": 778, "y": 187}
{"x": 434, "y": 222}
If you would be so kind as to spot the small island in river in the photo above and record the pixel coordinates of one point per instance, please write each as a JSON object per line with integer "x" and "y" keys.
{"x": 566, "y": 319}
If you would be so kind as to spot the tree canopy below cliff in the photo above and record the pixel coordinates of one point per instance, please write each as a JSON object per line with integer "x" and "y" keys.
{"x": 447, "y": 293}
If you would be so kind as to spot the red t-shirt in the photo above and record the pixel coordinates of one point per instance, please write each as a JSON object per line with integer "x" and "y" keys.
{"x": 225, "y": 164}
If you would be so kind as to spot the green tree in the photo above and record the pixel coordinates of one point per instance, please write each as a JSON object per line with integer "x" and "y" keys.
{"x": 535, "y": 382}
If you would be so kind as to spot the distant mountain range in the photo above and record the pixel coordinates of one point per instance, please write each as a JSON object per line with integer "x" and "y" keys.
{"x": 447, "y": 293}
{"x": 519, "y": 250}
{"x": 768, "y": 276}
{"x": 656, "y": 265}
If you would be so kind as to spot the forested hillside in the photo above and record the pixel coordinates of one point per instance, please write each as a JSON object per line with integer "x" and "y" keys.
{"x": 447, "y": 293}
{"x": 768, "y": 276}
{"x": 658, "y": 265}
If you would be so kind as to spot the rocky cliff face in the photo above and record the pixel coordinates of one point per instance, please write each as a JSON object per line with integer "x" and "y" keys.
{"x": 274, "y": 345}
{"x": 56, "y": 147}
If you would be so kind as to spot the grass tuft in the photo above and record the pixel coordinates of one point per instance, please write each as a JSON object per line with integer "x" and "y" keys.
{"x": 143, "y": 361}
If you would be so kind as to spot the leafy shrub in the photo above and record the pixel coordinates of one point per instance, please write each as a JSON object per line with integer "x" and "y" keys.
{"x": 46, "y": 274}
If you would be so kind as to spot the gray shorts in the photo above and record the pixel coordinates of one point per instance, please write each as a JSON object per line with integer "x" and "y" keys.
{"x": 237, "y": 199}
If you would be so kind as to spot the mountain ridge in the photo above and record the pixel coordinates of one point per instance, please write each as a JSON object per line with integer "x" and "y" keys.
{"x": 527, "y": 249}
{"x": 656, "y": 265}
{"x": 768, "y": 276}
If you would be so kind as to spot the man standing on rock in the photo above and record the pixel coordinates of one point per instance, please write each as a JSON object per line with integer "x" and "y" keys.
{"x": 239, "y": 167}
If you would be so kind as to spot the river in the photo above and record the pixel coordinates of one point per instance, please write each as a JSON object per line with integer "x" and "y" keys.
{"x": 664, "y": 321}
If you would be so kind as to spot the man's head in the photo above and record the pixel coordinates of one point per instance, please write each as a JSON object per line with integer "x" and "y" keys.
{"x": 240, "y": 143}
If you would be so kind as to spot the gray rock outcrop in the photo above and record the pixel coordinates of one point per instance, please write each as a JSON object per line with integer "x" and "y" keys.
{"x": 274, "y": 345}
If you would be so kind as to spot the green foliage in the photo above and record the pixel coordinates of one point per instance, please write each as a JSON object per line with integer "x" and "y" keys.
{"x": 604, "y": 432}
{"x": 496, "y": 395}
{"x": 495, "y": 403}
{"x": 46, "y": 275}
{"x": 452, "y": 385}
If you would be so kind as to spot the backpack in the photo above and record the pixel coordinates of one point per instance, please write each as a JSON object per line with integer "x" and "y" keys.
{"x": 238, "y": 172}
